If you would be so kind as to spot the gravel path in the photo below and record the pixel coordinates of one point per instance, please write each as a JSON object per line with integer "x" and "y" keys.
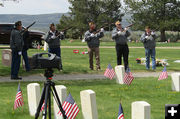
{"x": 40, "y": 77}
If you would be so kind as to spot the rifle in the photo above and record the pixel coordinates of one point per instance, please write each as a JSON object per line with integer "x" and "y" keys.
{"x": 104, "y": 26}
{"x": 22, "y": 32}
{"x": 128, "y": 26}
{"x": 64, "y": 31}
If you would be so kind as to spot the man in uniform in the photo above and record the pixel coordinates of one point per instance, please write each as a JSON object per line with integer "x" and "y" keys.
{"x": 148, "y": 39}
{"x": 120, "y": 34}
{"x": 53, "y": 39}
{"x": 16, "y": 45}
{"x": 92, "y": 38}
{"x": 24, "y": 51}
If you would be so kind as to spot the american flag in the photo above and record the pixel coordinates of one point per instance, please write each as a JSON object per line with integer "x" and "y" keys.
{"x": 120, "y": 114}
{"x": 19, "y": 98}
{"x": 43, "y": 106}
{"x": 128, "y": 77}
{"x": 70, "y": 107}
{"x": 109, "y": 73}
{"x": 164, "y": 74}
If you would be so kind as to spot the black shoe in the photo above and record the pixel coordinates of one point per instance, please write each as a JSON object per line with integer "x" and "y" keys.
{"x": 16, "y": 78}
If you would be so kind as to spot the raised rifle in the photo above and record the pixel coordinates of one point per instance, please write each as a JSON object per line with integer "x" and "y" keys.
{"x": 127, "y": 27}
{"x": 104, "y": 26}
{"x": 23, "y": 31}
{"x": 59, "y": 33}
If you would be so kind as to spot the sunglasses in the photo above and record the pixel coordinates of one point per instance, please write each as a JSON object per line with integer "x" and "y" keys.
{"x": 119, "y": 24}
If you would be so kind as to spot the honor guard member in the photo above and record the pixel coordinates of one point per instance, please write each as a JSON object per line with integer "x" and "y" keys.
{"x": 16, "y": 45}
{"x": 53, "y": 39}
{"x": 92, "y": 38}
{"x": 148, "y": 39}
{"x": 25, "y": 48}
{"x": 120, "y": 34}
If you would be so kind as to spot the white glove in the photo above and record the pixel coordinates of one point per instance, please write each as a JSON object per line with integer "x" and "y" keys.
{"x": 102, "y": 29}
{"x": 19, "y": 53}
{"x": 152, "y": 33}
{"x": 62, "y": 33}
{"x": 126, "y": 29}
{"x": 146, "y": 37}
{"x": 92, "y": 35}
{"x": 119, "y": 32}
{"x": 53, "y": 37}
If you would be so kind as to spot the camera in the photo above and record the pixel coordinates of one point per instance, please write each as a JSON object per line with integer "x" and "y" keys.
{"x": 45, "y": 61}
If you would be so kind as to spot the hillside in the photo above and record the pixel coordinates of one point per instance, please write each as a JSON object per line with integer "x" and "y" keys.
{"x": 42, "y": 20}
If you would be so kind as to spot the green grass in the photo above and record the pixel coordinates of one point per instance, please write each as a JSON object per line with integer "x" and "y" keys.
{"x": 79, "y": 63}
{"x": 112, "y": 43}
{"x": 108, "y": 95}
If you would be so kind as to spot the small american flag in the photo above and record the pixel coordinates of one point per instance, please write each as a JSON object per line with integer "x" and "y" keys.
{"x": 109, "y": 73}
{"x": 19, "y": 98}
{"x": 164, "y": 74}
{"x": 43, "y": 106}
{"x": 128, "y": 77}
{"x": 70, "y": 107}
{"x": 120, "y": 114}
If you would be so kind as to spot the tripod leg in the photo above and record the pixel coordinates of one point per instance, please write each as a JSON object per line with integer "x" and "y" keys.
{"x": 40, "y": 102}
{"x": 49, "y": 105}
{"x": 46, "y": 101}
{"x": 58, "y": 102}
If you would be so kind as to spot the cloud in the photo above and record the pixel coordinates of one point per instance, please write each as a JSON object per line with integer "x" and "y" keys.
{"x": 35, "y": 7}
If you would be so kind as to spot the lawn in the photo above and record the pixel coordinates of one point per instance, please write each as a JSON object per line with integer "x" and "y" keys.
{"x": 78, "y": 63}
{"x": 70, "y": 42}
{"x": 108, "y": 95}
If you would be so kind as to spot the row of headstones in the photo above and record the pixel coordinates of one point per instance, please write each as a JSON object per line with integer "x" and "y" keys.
{"x": 88, "y": 101}
{"x": 174, "y": 76}
{"x": 140, "y": 109}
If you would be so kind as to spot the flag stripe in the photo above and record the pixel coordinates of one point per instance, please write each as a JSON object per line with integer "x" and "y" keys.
{"x": 19, "y": 99}
{"x": 70, "y": 107}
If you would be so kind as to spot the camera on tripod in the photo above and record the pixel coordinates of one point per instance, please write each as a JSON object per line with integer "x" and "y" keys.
{"x": 45, "y": 61}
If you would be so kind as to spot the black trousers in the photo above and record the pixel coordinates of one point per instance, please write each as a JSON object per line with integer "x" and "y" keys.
{"x": 122, "y": 50}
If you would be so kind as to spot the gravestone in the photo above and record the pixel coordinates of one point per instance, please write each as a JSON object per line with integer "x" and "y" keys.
{"x": 88, "y": 104}
{"x": 6, "y": 57}
{"x": 140, "y": 110}
{"x": 33, "y": 94}
{"x": 62, "y": 93}
{"x": 175, "y": 81}
{"x": 119, "y": 74}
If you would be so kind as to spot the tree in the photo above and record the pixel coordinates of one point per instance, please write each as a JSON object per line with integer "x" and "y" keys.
{"x": 84, "y": 11}
{"x": 2, "y": 4}
{"x": 159, "y": 14}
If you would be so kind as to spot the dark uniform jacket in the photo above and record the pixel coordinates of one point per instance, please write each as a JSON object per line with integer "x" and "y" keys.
{"x": 120, "y": 39}
{"x": 16, "y": 40}
{"x": 93, "y": 41}
{"x": 25, "y": 39}
{"x": 54, "y": 42}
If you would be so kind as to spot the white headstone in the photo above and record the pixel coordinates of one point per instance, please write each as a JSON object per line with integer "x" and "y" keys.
{"x": 88, "y": 104}
{"x": 33, "y": 94}
{"x": 119, "y": 74}
{"x": 140, "y": 110}
{"x": 45, "y": 46}
{"x": 175, "y": 82}
{"x": 62, "y": 93}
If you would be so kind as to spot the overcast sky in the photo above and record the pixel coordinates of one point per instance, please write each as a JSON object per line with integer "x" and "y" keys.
{"x": 34, "y": 7}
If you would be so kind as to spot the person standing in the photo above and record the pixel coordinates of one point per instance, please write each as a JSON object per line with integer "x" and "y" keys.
{"x": 24, "y": 51}
{"x": 92, "y": 38}
{"x": 16, "y": 45}
{"x": 120, "y": 34}
{"x": 53, "y": 39}
{"x": 148, "y": 39}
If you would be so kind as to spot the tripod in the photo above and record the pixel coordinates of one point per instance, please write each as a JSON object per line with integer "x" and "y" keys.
{"x": 49, "y": 87}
